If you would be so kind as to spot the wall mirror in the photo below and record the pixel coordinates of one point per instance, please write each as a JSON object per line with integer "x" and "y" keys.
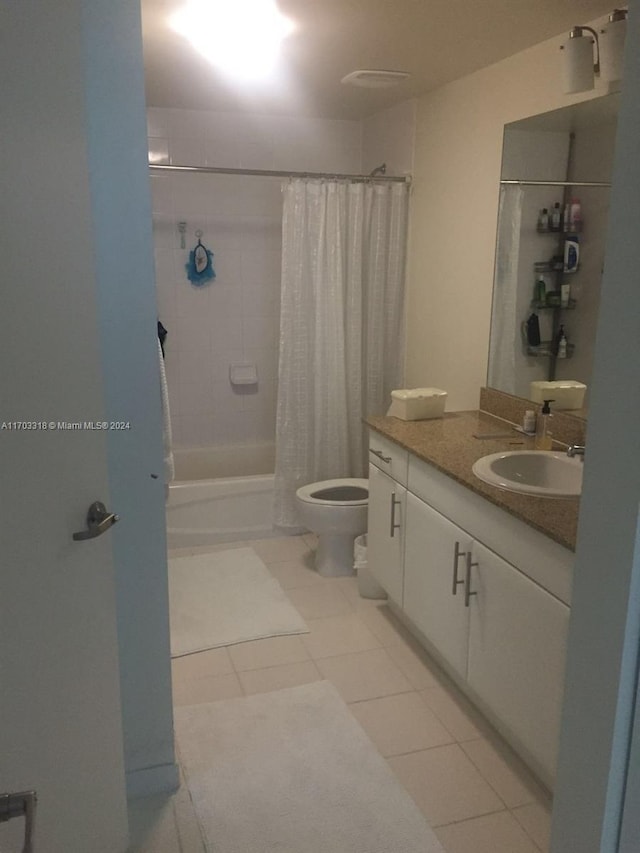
{"x": 554, "y": 205}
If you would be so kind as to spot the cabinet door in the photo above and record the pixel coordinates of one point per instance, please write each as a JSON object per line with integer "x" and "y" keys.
{"x": 517, "y": 643}
{"x": 385, "y": 538}
{"x": 431, "y": 545}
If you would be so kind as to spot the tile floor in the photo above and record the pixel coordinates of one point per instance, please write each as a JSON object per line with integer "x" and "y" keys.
{"x": 474, "y": 792}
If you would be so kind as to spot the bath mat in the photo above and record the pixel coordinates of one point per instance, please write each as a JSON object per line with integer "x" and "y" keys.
{"x": 292, "y": 771}
{"x": 224, "y": 598}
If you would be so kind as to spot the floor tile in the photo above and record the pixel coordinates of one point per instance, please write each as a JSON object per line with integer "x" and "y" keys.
{"x": 338, "y": 635}
{"x": 400, "y": 723}
{"x": 209, "y": 689}
{"x": 414, "y": 663}
{"x": 348, "y": 586}
{"x": 281, "y": 549}
{"x": 278, "y": 677}
{"x": 364, "y": 675}
{"x": 272, "y": 651}
{"x": 445, "y": 784}
{"x": 535, "y": 819}
{"x": 319, "y": 601}
{"x": 456, "y": 713}
{"x": 295, "y": 574}
{"x": 381, "y": 621}
{"x": 201, "y": 664}
{"x": 494, "y": 833}
{"x": 506, "y": 774}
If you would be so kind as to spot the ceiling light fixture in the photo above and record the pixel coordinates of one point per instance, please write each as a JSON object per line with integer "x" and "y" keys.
{"x": 375, "y": 78}
{"x": 238, "y": 36}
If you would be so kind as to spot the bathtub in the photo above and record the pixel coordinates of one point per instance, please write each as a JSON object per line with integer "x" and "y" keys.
{"x": 220, "y": 495}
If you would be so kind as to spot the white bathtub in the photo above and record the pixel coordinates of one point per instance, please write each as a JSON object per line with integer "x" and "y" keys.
{"x": 207, "y": 505}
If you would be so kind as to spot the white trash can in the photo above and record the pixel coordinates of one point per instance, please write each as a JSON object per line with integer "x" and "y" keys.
{"x": 368, "y": 586}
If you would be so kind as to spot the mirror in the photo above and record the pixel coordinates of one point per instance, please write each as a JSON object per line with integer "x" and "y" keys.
{"x": 548, "y": 260}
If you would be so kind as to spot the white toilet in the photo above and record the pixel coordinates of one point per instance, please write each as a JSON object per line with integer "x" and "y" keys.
{"x": 337, "y": 511}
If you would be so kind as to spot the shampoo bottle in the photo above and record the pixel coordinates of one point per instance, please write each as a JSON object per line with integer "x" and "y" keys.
{"x": 543, "y": 439}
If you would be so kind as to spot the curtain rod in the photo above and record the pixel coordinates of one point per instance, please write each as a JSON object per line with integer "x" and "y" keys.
{"x": 268, "y": 173}
{"x": 558, "y": 183}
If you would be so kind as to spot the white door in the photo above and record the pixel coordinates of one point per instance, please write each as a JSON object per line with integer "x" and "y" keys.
{"x": 435, "y": 549}
{"x": 517, "y": 648}
{"x": 385, "y": 536}
{"x": 60, "y": 717}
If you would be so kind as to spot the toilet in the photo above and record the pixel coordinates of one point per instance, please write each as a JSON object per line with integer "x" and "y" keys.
{"x": 337, "y": 511}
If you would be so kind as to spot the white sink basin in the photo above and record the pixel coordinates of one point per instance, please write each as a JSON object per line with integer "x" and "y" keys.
{"x": 545, "y": 473}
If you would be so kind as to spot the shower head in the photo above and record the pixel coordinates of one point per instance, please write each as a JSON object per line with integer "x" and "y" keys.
{"x": 379, "y": 170}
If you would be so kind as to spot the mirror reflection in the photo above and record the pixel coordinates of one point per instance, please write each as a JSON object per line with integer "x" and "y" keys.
{"x": 554, "y": 205}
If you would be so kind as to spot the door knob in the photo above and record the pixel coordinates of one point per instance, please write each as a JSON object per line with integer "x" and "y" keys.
{"x": 98, "y": 521}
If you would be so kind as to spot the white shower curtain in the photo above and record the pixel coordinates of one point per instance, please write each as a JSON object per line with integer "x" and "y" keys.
{"x": 505, "y": 325}
{"x": 341, "y": 327}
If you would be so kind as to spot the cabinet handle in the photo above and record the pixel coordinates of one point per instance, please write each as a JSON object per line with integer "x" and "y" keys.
{"x": 456, "y": 556}
{"x": 467, "y": 580}
{"x": 393, "y": 526}
{"x": 380, "y": 455}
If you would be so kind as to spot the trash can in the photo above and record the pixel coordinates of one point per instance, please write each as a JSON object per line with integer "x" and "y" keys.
{"x": 368, "y": 586}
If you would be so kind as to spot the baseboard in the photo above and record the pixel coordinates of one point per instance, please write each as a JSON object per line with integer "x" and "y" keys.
{"x": 163, "y": 778}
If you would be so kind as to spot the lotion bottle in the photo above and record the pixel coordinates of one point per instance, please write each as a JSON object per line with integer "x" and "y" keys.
{"x": 543, "y": 439}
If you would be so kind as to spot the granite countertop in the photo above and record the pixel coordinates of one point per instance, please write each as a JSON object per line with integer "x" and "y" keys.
{"x": 449, "y": 445}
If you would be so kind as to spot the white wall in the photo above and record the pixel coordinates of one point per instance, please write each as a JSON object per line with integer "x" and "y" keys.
{"x": 454, "y": 213}
{"x": 389, "y": 137}
{"x": 236, "y": 316}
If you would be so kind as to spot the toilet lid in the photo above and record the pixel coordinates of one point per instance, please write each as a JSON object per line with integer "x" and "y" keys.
{"x": 348, "y": 492}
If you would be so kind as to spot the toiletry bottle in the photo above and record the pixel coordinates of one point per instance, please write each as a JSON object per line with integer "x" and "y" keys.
{"x": 571, "y": 253}
{"x": 533, "y": 331}
{"x": 560, "y": 347}
{"x": 540, "y": 291}
{"x": 543, "y": 439}
{"x": 556, "y": 216}
{"x": 543, "y": 220}
{"x": 575, "y": 216}
{"x": 566, "y": 217}
{"x": 565, "y": 295}
{"x": 529, "y": 422}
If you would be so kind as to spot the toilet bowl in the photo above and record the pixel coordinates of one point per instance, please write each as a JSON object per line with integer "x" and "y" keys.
{"x": 337, "y": 511}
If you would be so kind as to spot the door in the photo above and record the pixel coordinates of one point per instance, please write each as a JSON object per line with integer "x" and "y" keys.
{"x": 435, "y": 551}
{"x": 517, "y": 647}
{"x": 60, "y": 713}
{"x": 385, "y": 536}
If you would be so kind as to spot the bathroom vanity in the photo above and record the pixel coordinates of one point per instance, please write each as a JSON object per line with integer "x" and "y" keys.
{"x": 481, "y": 576}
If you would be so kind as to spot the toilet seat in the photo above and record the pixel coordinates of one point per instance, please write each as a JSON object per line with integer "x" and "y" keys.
{"x": 307, "y": 493}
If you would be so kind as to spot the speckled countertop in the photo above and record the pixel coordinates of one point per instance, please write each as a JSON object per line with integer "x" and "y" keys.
{"x": 449, "y": 445}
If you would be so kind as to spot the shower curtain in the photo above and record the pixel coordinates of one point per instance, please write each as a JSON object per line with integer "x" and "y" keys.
{"x": 505, "y": 325}
{"x": 341, "y": 327}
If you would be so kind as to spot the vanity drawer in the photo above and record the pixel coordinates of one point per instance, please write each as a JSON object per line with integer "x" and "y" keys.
{"x": 389, "y": 457}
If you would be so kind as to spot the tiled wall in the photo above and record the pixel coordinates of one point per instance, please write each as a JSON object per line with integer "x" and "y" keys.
{"x": 234, "y": 318}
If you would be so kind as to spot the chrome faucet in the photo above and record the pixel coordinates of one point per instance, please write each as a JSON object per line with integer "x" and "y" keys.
{"x": 576, "y": 450}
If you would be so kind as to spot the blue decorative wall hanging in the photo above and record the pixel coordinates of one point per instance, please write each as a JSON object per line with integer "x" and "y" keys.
{"x": 199, "y": 267}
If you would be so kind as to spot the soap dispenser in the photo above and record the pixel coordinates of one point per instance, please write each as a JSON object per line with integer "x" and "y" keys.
{"x": 543, "y": 439}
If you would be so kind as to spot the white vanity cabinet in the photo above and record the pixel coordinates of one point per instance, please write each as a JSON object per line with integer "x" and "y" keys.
{"x": 517, "y": 642}
{"x": 486, "y": 594}
{"x": 387, "y": 503}
{"x": 435, "y": 551}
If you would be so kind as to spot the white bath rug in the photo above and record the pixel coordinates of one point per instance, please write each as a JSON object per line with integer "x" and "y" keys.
{"x": 293, "y": 772}
{"x": 224, "y": 598}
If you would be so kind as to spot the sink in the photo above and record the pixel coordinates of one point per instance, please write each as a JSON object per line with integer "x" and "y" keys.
{"x": 545, "y": 473}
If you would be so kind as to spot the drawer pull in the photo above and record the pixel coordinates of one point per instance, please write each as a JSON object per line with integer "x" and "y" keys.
{"x": 380, "y": 455}
{"x": 467, "y": 580}
{"x": 393, "y": 526}
{"x": 456, "y": 556}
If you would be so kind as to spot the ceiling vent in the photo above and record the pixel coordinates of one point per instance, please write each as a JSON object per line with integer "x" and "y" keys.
{"x": 376, "y": 79}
